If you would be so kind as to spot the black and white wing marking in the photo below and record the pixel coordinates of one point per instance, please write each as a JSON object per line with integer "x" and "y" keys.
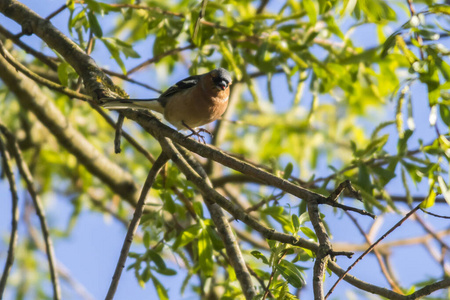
{"x": 181, "y": 85}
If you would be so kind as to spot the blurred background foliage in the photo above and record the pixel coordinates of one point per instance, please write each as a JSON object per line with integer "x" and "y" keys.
{"x": 323, "y": 91}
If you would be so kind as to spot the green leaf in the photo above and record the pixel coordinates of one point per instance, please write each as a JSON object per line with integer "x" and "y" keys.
{"x": 290, "y": 272}
{"x": 288, "y": 170}
{"x": 215, "y": 238}
{"x": 376, "y": 145}
{"x": 440, "y": 8}
{"x": 111, "y": 45}
{"x": 146, "y": 239}
{"x": 295, "y": 222}
{"x": 187, "y": 236}
{"x": 384, "y": 175}
{"x": 225, "y": 49}
{"x": 169, "y": 204}
{"x": 429, "y": 201}
{"x": 309, "y": 233}
{"x": 63, "y": 73}
{"x": 402, "y": 142}
{"x": 157, "y": 259}
{"x": 390, "y": 43}
{"x": 198, "y": 208}
{"x": 364, "y": 178}
{"x": 260, "y": 256}
{"x": 205, "y": 253}
{"x": 146, "y": 274}
{"x": 310, "y": 9}
{"x": 444, "y": 189}
{"x": 95, "y": 26}
{"x": 160, "y": 289}
{"x": 445, "y": 114}
{"x": 166, "y": 272}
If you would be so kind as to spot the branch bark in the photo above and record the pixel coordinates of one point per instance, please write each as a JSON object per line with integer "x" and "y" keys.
{"x": 323, "y": 253}
{"x": 221, "y": 221}
{"x": 83, "y": 64}
{"x": 157, "y": 166}
{"x": 15, "y": 215}
{"x": 31, "y": 98}
{"x": 26, "y": 175}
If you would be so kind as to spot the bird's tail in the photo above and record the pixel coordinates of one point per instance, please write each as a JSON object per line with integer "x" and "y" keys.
{"x": 150, "y": 104}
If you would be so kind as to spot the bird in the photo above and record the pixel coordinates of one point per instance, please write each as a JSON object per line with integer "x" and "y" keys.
{"x": 192, "y": 102}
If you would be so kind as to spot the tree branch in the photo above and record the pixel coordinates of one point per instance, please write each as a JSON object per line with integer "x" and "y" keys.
{"x": 26, "y": 175}
{"x": 235, "y": 211}
{"x": 157, "y": 166}
{"x": 323, "y": 253}
{"x": 33, "y": 76}
{"x": 49, "y": 61}
{"x": 31, "y": 98}
{"x": 383, "y": 268}
{"x": 83, "y": 64}
{"x": 87, "y": 69}
{"x": 14, "y": 215}
{"x": 60, "y": 268}
{"x": 398, "y": 224}
{"x": 221, "y": 222}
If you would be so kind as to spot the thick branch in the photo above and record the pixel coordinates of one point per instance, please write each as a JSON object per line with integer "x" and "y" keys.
{"x": 31, "y": 22}
{"x": 323, "y": 253}
{"x": 236, "y": 212}
{"x": 156, "y": 128}
{"x": 157, "y": 166}
{"x": 48, "y": 83}
{"x": 223, "y": 227}
{"x": 31, "y": 98}
{"x": 87, "y": 69}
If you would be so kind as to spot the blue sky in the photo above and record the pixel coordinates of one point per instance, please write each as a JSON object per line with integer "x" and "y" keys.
{"x": 91, "y": 252}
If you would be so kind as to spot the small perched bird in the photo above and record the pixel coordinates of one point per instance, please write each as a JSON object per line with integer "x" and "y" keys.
{"x": 190, "y": 103}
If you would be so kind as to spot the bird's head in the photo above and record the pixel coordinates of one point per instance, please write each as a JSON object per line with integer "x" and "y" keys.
{"x": 221, "y": 78}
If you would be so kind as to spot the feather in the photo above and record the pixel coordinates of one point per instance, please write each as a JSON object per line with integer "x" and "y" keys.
{"x": 150, "y": 104}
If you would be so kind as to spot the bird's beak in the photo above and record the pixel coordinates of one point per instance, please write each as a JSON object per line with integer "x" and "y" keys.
{"x": 222, "y": 85}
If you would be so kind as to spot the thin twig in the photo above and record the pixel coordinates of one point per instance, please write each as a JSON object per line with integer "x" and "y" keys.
{"x": 262, "y": 6}
{"x": 26, "y": 175}
{"x": 346, "y": 185}
{"x": 435, "y": 215}
{"x": 201, "y": 14}
{"x": 126, "y": 78}
{"x": 427, "y": 228}
{"x": 50, "y": 84}
{"x": 49, "y": 61}
{"x": 56, "y": 12}
{"x": 60, "y": 268}
{"x": 135, "y": 6}
{"x": 157, "y": 166}
{"x": 159, "y": 57}
{"x": 48, "y": 18}
{"x": 267, "y": 289}
{"x": 417, "y": 36}
{"x": 14, "y": 215}
{"x": 384, "y": 270}
{"x": 398, "y": 224}
{"x": 156, "y": 128}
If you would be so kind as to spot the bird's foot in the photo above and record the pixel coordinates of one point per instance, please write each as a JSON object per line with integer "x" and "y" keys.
{"x": 197, "y": 133}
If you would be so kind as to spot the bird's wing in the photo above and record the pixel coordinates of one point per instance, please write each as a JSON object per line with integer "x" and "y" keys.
{"x": 181, "y": 85}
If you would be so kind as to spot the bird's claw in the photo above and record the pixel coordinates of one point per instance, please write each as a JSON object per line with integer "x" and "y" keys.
{"x": 197, "y": 133}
